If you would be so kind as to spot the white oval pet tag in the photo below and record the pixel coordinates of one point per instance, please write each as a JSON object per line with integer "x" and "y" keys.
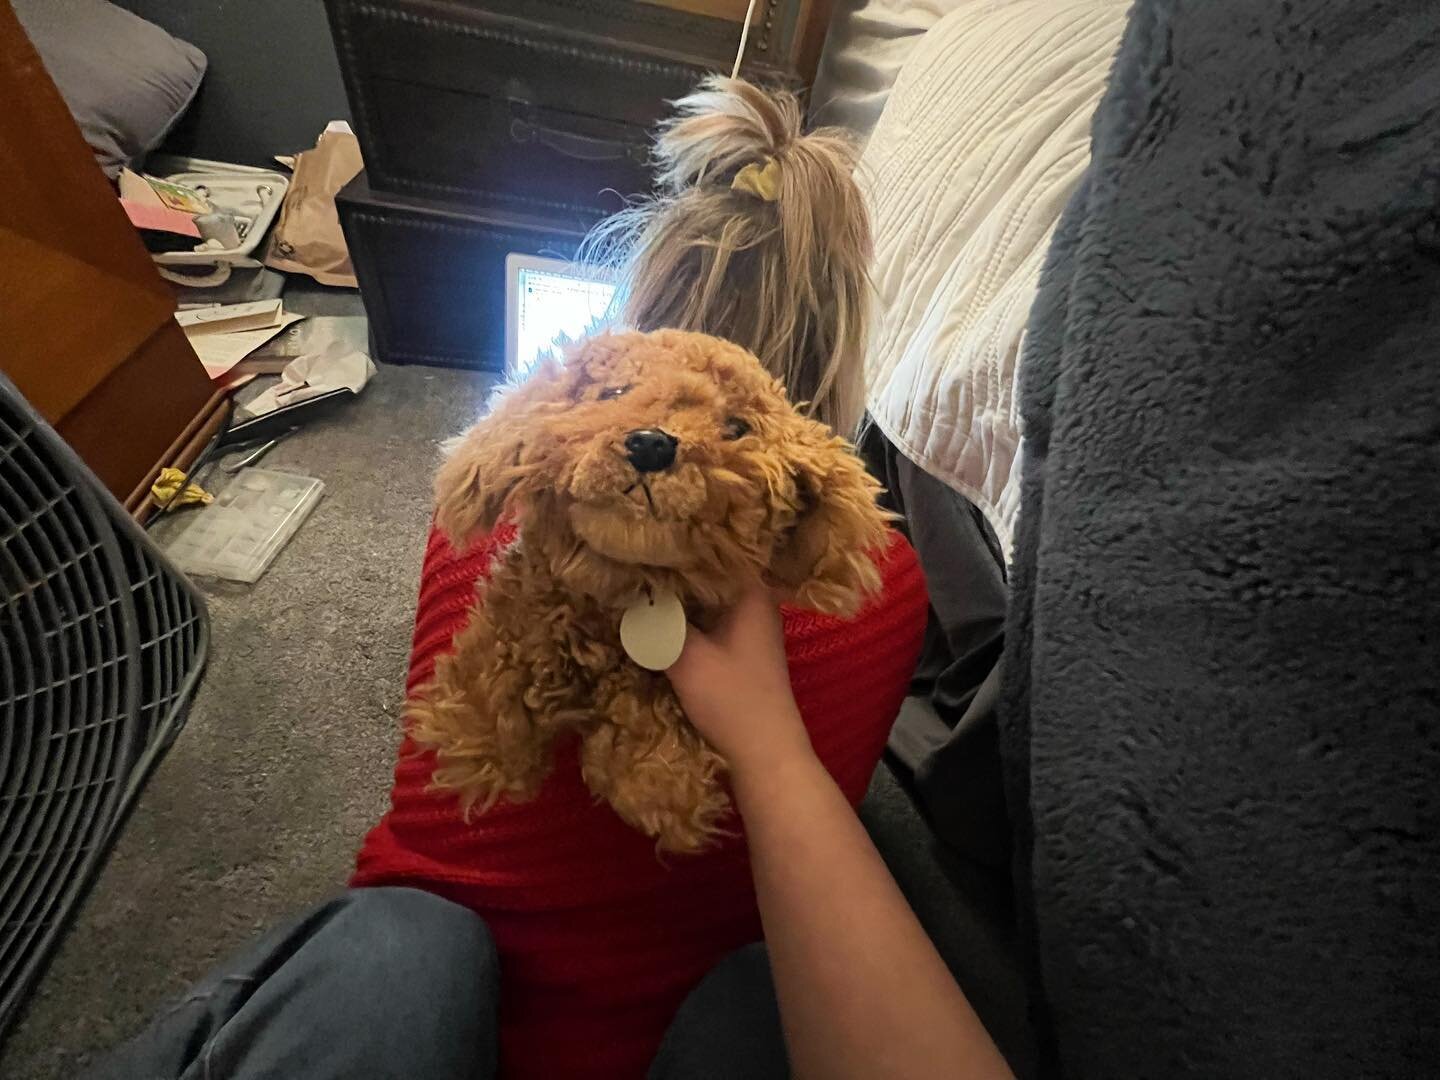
{"x": 652, "y": 630}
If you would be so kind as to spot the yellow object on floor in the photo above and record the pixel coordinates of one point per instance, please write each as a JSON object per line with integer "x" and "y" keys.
{"x": 169, "y": 481}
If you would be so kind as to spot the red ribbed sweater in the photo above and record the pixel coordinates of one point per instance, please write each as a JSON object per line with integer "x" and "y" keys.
{"x": 600, "y": 939}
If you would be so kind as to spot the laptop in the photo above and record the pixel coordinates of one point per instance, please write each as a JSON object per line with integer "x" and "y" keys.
{"x": 546, "y": 300}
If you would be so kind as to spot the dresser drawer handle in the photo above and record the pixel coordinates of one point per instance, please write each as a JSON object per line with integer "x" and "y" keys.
{"x": 583, "y": 147}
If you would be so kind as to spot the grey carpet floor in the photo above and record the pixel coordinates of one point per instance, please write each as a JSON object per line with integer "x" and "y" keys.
{"x": 285, "y": 762}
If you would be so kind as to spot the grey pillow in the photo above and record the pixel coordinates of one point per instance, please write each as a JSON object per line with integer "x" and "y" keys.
{"x": 125, "y": 80}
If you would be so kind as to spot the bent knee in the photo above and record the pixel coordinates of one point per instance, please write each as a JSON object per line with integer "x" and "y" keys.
{"x": 409, "y": 935}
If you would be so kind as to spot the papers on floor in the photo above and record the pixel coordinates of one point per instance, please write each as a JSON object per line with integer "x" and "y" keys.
{"x": 225, "y": 334}
{"x": 149, "y": 191}
{"x": 160, "y": 219}
{"x": 228, "y": 318}
{"x": 155, "y": 206}
{"x": 313, "y": 335}
{"x": 337, "y": 365}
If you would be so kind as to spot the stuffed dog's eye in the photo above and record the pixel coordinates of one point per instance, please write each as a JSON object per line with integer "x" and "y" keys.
{"x": 735, "y": 428}
{"x": 611, "y": 392}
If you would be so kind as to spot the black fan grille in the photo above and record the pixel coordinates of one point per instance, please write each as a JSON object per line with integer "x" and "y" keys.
{"x": 101, "y": 643}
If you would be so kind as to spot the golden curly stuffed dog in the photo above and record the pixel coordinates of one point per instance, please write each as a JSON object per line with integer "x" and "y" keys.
{"x": 645, "y": 463}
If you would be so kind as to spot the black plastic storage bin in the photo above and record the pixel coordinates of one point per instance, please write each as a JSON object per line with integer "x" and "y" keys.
{"x": 433, "y": 273}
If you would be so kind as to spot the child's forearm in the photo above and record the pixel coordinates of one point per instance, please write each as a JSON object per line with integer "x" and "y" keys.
{"x": 862, "y": 991}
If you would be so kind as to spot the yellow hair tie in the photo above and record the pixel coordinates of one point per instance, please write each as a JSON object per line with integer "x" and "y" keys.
{"x": 762, "y": 181}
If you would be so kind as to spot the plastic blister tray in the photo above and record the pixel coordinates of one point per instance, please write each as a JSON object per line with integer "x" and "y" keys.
{"x": 238, "y": 535}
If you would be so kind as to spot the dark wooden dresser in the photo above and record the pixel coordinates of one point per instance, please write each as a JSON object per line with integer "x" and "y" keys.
{"x": 514, "y": 125}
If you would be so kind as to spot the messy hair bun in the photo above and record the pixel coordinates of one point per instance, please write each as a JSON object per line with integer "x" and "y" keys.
{"x": 759, "y": 235}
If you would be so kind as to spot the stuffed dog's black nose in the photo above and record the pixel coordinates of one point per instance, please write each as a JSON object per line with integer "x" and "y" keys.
{"x": 650, "y": 449}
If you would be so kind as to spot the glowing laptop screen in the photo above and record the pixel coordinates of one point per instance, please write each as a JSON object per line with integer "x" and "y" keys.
{"x": 552, "y": 300}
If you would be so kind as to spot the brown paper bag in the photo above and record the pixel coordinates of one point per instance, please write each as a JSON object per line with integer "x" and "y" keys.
{"x": 307, "y": 238}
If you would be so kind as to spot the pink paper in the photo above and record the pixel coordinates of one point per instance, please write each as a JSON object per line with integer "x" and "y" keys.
{"x": 159, "y": 218}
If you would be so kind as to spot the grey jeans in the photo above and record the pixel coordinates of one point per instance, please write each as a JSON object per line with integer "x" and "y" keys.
{"x": 944, "y": 747}
{"x": 396, "y": 984}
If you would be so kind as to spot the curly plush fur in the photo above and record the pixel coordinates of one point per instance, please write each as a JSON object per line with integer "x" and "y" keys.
{"x": 755, "y": 490}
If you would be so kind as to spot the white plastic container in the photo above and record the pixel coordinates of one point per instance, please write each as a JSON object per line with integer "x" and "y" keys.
{"x": 238, "y": 535}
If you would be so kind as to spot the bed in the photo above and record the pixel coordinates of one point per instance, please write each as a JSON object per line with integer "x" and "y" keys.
{"x": 976, "y": 116}
{"x": 865, "y": 48}
{"x": 983, "y": 137}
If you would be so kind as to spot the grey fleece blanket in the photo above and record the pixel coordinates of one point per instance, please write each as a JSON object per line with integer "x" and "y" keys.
{"x": 1222, "y": 709}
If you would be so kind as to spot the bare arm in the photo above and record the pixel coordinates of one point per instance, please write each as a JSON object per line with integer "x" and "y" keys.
{"x": 862, "y": 991}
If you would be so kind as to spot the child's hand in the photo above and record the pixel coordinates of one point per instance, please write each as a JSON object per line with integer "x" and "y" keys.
{"x": 735, "y": 687}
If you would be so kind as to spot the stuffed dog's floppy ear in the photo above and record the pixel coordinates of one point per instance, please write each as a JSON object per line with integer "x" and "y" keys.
{"x": 827, "y": 558}
{"x": 478, "y": 479}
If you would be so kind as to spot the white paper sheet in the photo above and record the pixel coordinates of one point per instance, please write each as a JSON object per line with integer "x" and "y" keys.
{"x": 229, "y": 318}
{"x": 220, "y": 352}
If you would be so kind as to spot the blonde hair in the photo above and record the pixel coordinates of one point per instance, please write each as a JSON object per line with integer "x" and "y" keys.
{"x": 780, "y": 267}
